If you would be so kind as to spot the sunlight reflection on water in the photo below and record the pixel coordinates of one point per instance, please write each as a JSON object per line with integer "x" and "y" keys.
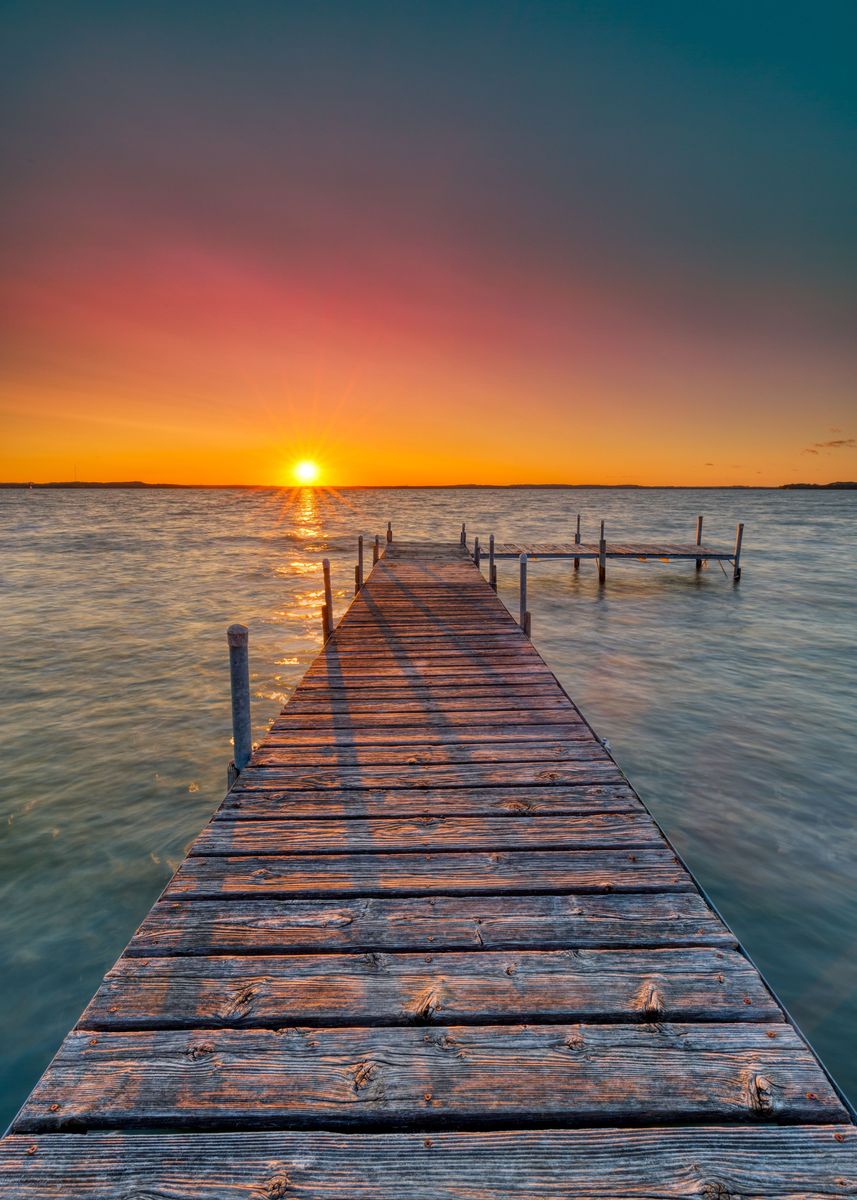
{"x": 732, "y": 710}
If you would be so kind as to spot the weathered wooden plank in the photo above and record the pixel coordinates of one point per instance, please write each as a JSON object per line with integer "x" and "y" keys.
{"x": 279, "y": 751}
{"x": 684, "y": 1163}
{"x": 330, "y": 1077}
{"x": 383, "y": 834}
{"x": 418, "y": 737}
{"x": 407, "y": 802}
{"x": 454, "y": 873}
{"x": 699, "y": 984}
{"x": 487, "y": 701}
{"x": 452, "y": 720}
{"x": 432, "y": 775}
{"x": 270, "y": 925}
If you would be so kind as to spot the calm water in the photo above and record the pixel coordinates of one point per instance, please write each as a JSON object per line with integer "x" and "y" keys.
{"x": 732, "y": 710}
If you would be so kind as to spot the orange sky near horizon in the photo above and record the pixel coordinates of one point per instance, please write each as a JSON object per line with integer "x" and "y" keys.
{"x": 490, "y": 244}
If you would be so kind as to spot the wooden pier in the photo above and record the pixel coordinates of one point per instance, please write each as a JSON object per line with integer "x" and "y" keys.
{"x": 431, "y": 946}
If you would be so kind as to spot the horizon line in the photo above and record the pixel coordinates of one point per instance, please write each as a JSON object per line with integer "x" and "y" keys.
{"x": 138, "y": 484}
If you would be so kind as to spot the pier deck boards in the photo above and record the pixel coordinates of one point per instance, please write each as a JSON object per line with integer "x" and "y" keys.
{"x": 431, "y": 945}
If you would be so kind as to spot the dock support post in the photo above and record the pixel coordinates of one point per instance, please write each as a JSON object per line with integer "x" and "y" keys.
{"x": 239, "y": 679}
{"x": 376, "y": 550}
{"x": 577, "y": 542}
{"x": 602, "y": 556}
{"x": 328, "y": 599}
{"x": 360, "y": 562}
{"x": 389, "y": 531}
{"x": 736, "y": 565}
{"x": 492, "y": 566}
{"x": 699, "y": 539}
{"x": 522, "y": 598}
{"x": 463, "y": 538}
{"x": 477, "y": 553}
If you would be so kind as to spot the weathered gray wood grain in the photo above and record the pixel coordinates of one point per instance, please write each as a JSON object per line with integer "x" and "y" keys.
{"x": 465, "y": 873}
{"x": 272, "y": 925}
{"x": 272, "y": 802}
{"x": 383, "y": 834}
{"x": 329, "y": 1077}
{"x": 699, "y": 984}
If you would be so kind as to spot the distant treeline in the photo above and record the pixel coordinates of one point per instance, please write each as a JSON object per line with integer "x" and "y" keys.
{"x": 843, "y": 485}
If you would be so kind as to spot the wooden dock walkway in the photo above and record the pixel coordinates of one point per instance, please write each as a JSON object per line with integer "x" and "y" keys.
{"x": 431, "y": 946}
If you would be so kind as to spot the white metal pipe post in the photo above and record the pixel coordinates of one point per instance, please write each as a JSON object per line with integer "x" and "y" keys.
{"x": 602, "y": 556}
{"x": 577, "y": 542}
{"x": 736, "y": 565}
{"x": 239, "y": 678}
{"x": 699, "y": 539}
{"x": 328, "y": 598}
{"x": 522, "y": 598}
{"x": 492, "y": 569}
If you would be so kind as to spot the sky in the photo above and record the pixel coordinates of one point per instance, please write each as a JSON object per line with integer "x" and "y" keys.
{"x": 429, "y": 243}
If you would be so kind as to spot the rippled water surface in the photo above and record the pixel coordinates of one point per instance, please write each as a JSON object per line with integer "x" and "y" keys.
{"x": 733, "y": 710}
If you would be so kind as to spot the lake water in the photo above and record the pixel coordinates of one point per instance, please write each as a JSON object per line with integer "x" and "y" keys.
{"x": 732, "y": 710}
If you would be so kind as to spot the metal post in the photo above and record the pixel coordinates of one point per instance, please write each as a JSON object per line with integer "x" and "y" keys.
{"x": 477, "y": 554}
{"x": 736, "y": 565}
{"x": 389, "y": 531}
{"x": 522, "y": 598}
{"x": 602, "y": 556}
{"x": 376, "y": 550}
{"x": 492, "y": 569}
{"x": 328, "y": 598}
{"x": 577, "y": 542}
{"x": 699, "y": 540}
{"x": 239, "y": 679}
{"x": 463, "y": 534}
{"x": 360, "y": 562}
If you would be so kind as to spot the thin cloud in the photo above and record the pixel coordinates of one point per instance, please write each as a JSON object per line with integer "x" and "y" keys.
{"x": 834, "y": 444}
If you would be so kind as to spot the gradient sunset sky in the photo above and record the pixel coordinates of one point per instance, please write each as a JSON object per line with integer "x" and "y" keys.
{"x": 429, "y": 243}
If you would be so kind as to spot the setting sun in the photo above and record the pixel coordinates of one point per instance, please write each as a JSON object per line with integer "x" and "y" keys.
{"x": 305, "y": 471}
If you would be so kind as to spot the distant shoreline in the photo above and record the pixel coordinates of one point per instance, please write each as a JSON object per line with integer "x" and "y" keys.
{"x": 139, "y": 485}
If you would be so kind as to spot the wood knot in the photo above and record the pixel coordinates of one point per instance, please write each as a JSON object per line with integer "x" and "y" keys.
{"x": 31, "y": 1150}
{"x": 426, "y": 1003}
{"x": 761, "y": 1095}
{"x": 278, "y": 1187}
{"x": 363, "y": 1075}
{"x": 713, "y": 1189}
{"x": 199, "y": 1050}
{"x": 650, "y": 1001}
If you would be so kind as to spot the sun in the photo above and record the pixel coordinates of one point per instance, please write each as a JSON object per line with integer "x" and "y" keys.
{"x": 306, "y": 471}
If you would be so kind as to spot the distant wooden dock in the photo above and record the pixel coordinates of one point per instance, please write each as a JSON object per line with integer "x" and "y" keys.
{"x": 432, "y": 946}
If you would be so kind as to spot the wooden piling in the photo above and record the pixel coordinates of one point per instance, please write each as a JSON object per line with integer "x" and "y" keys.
{"x": 328, "y": 598}
{"x": 463, "y": 534}
{"x": 477, "y": 553}
{"x": 602, "y": 556}
{"x": 699, "y": 539}
{"x": 522, "y": 598}
{"x": 360, "y": 562}
{"x": 736, "y": 564}
{"x": 577, "y": 542}
{"x": 239, "y": 679}
{"x": 492, "y": 566}
{"x": 376, "y": 550}
{"x": 389, "y": 532}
